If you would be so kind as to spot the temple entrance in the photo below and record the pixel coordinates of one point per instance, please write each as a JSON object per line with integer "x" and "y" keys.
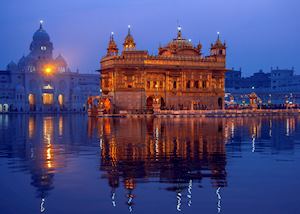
{"x": 31, "y": 100}
{"x": 149, "y": 103}
{"x": 220, "y": 103}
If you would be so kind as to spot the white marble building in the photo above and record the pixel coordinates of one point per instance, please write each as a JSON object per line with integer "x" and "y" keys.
{"x": 40, "y": 82}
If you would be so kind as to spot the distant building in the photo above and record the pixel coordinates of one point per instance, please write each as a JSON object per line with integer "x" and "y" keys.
{"x": 42, "y": 83}
{"x": 277, "y": 87}
{"x": 179, "y": 77}
{"x": 235, "y": 80}
{"x": 284, "y": 80}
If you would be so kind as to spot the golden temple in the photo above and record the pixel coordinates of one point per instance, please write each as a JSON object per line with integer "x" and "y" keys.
{"x": 178, "y": 78}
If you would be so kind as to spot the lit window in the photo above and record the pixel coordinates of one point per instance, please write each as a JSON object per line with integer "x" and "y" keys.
{"x": 43, "y": 48}
{"x": 31, "y": 68}
{"x": 47, "y": 99}
{"x": 61, "y": 100}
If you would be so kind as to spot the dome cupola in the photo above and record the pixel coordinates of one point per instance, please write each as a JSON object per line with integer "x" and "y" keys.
{"x": 218, "y": 48}
{"x": 129, "y": 43}
{"x": 41, "y": 35}
{"x": 112, "y": 49}
{"x": 179, "y": 46}
{"x": 41, "y": 47}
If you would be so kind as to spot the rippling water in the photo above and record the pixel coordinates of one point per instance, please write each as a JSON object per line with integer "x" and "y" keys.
{"x": 75, "y": 164}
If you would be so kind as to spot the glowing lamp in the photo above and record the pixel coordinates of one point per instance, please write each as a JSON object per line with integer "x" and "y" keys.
{"x": 48, "y": 70}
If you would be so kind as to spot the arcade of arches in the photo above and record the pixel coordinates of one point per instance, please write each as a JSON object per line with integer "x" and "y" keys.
{"x": 48, "y": 100}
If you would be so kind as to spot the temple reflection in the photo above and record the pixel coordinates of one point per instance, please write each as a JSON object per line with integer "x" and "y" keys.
{"x": 176, "y": 152}
{"x": 181, "y": 154}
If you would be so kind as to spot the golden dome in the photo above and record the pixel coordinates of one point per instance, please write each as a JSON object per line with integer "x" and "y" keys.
{"x": 179, "y": 46}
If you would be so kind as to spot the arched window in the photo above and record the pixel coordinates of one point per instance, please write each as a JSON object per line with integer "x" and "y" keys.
{"x": 61, "y": 100}
{"x": 174, "y": 84}
{"x": 31, "y": 68}
{"x": 31, "y": 101}
{"x": 5, "y": 108}
{"x": 196, "y": 84}
{"x": 47, "y": 99}
{"x": 188, "y": 84}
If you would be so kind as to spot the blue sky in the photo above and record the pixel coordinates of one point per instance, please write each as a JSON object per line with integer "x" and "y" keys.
{"x": 259, "y": 33}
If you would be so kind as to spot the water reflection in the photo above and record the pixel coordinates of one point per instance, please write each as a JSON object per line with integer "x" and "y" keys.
{"x": 176, "y": 152}
{"x": 179, "y": 153}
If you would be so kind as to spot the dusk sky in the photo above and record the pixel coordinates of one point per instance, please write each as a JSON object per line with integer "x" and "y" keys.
{"x": 259, "y": 33}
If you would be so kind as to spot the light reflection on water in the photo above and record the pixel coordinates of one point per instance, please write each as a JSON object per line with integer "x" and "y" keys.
{"x": 213, "y": 165}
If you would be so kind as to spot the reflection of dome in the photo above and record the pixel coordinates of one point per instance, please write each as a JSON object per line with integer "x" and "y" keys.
{"x": 180, "y": 46}
{"x": 41, "y": 35}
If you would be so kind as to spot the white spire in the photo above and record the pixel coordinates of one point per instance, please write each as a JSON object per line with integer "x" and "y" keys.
{"x": 41, "y": 24}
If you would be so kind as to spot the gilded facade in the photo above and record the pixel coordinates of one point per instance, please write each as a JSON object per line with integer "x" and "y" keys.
{"x": 178, "y": 78}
